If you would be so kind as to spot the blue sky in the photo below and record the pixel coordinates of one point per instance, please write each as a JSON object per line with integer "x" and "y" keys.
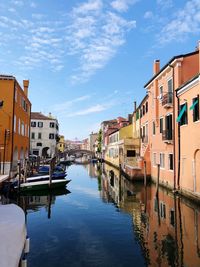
{"x": 87, "y": 61}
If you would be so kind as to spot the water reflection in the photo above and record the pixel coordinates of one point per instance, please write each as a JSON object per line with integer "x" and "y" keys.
{"x": 166, "y": 225}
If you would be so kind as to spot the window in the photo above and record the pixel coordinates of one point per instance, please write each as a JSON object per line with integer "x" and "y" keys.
{"x": 162, "y": 210}
{"x": 170, "y": 86}
{"x": 27, "y": 130}
{"x": 24, "y": 104}
{"x": 33, "y": 124}
{"x": 15, "y": 123}
{"x": 51, "y": 136}
{"x": 195, "y": 105}
{"x": 39, "y": 135}
{"x": 39, "y": 144}
{"x": 161, "y": 125}
{"x": 154, "y": 128}
{"x": 141, "y": 113}
{"x": 172, "y": 217}
{"x": 154, "y": 159}
{"x": 146, "y": 107}
{"x": 171, "y": 162}
{"x": 40, "y": 124}
{"x": 131, "y": 153}
{"x": 143, "y": 109}
{"x": 22, "y": 129}
{"x": 137, "y": 115}
{"x": 183, "y": 114}
{"x": 161, "y": 92}
{"x": 32, "y": 135}
{"x": 15, "y": 94}
{"x": 162, "y": 160}
{"x": 19, "y": 127}
{"x": 51, "y": 125}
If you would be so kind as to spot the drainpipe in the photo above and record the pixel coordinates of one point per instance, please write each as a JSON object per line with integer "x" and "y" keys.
{"x": 12, "y": 132}
{"x": 179, "y": 145}
{"x": 174, "y": 126}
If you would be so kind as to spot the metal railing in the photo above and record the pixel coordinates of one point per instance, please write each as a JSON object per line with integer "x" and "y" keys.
{"x": 167, "y": 99}
{"x": 167, "y": 135}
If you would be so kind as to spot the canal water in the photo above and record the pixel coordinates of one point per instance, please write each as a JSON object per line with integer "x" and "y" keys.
{"x": 106, "y": 220}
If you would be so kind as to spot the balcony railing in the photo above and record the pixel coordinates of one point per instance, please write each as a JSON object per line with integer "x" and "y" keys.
{"x": 167, "y": 100}
{"x": 145, "y": 139}
{"x": 167, "y": 135}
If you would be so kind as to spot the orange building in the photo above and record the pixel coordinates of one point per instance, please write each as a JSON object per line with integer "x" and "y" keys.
{"x": 14, "y": 123}
{"x": 188, "y": 175}
{"x": 162, "y": 127}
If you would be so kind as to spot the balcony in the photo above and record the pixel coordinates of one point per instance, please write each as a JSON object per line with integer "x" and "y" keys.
{"x": 167, "y": 100}
{"x": 167, "y": 136}
{"x": 145, "y": 139}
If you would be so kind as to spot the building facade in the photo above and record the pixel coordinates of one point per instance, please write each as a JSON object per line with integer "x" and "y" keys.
{"x": 44, "y": 135}
{"x": 15, "y": 112}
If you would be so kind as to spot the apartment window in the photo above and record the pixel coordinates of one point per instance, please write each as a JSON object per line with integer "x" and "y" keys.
{"x": 154, "y": 159}
{"x": 39, "y": 135}
{"x": 170, "y": 86}
{"x": 32, "y": 135}
{"x": 143, "y": 109}
{"x": 22, "y": 129}
{"x": 161, "y": 125}
{"x": 51, "y": 136}
{"x": 162, "y": 160}
{"x": 172, "y": 217}
{"x": 161, "y": 92}
{"x": 154, "y": 128}
{"x": 33, "y": 124}
{"x": 195, "y": 103}
{"x": 141, "y": 113}
{"x": 146, "y": 107}
{"x": 162, "y": 210}
{"x": 131, "y": 153}
{"x": 15, "y": 123}
{"x": 137, "y": 115}
{"x": 52, "y": 125}
{"x": 39, "y": 144}
{"x": 19, "y": 127}
{"x": 183, "y": 112}
{"x": 40, "y": 124}
{"x": 171, "y": 162}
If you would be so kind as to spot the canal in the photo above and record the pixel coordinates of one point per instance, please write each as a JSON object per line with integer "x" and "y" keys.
{"x": 106, "y": 220}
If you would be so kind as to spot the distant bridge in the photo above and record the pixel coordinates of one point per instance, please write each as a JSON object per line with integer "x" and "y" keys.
{"x": 71, "y": 152}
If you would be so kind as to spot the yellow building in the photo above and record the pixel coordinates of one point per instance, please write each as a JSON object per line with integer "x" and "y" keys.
{"x": 61, "y": 144}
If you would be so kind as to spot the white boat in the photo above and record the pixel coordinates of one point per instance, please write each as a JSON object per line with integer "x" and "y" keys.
{"x": 12, "y": 235}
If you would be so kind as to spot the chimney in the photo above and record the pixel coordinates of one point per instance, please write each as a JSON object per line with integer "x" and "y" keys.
{"x": 135, "y": 106}
{"x": 26, "y": 84}
{"x": 156, "y": 66}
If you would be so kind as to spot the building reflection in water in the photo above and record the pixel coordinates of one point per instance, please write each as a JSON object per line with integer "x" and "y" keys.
{"x": 166, "y": 226}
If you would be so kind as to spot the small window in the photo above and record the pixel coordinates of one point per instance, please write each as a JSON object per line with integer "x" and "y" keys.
{"x": 40, "y": 124}
{"x": 141, "y": 113}
{"x": 171, "y": 162}
{"x": 162, "y": 160}
{"x": 184, "y": 117}
{"x": 170, "y": 86}
{"x": 137, "y": 115}
{"x": 143, "y": 109}
{"x": 51, "y": 136}
{"x": 162, "y": 210}
{"x": 19, "y": 127}
{"x": 131, "y": 153}
{"x": 39, "y": 144}
{"x": 161, "y": 125}
{"x": 32, "y": 135}
{"x": 154, "y": 128}
{"x": 146, "y": 107}
{"x": 195, "y": 105}
{"x": 161, "y": 92}
{"x": 172, "y": 217}
{"x": 52, "y": 125}
{"x": 39, "y": 135}
{"x": 154, "y": 159}
{"x": 33, "y": 124}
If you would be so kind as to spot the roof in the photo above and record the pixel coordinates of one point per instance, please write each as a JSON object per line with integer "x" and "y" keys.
{"x": 6, "y": 77}
{"x": 189, "y": 81}
{"x": 40, "y": 116}
{"x": 168, "y": 63}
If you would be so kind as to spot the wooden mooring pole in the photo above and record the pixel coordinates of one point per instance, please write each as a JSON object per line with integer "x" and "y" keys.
{"x": 145, "y": 173}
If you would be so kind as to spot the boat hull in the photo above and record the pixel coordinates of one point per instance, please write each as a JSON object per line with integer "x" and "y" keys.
{"x": 43, "y": 185}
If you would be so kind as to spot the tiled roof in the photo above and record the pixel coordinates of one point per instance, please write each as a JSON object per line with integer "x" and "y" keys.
{"x": 39, "y": 116}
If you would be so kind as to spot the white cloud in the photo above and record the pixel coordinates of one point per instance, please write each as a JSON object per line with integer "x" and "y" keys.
{"x": 90, "y": 6}
{"x": 122, "y": 5}
{"x": 165, "y": 4}
{"x": 94, "y": 109}
{"x": 186, "y": 21}
{"x": 33, "y": 5}
{"x": 19, "y": 3}
{"x": 148, "y": 15}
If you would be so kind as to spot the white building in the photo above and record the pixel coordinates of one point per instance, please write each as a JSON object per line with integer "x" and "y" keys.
{"x": 44, "y": 135}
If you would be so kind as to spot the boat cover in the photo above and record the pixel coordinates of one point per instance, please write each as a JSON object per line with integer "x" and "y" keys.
{"x": 12, "y": 235}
